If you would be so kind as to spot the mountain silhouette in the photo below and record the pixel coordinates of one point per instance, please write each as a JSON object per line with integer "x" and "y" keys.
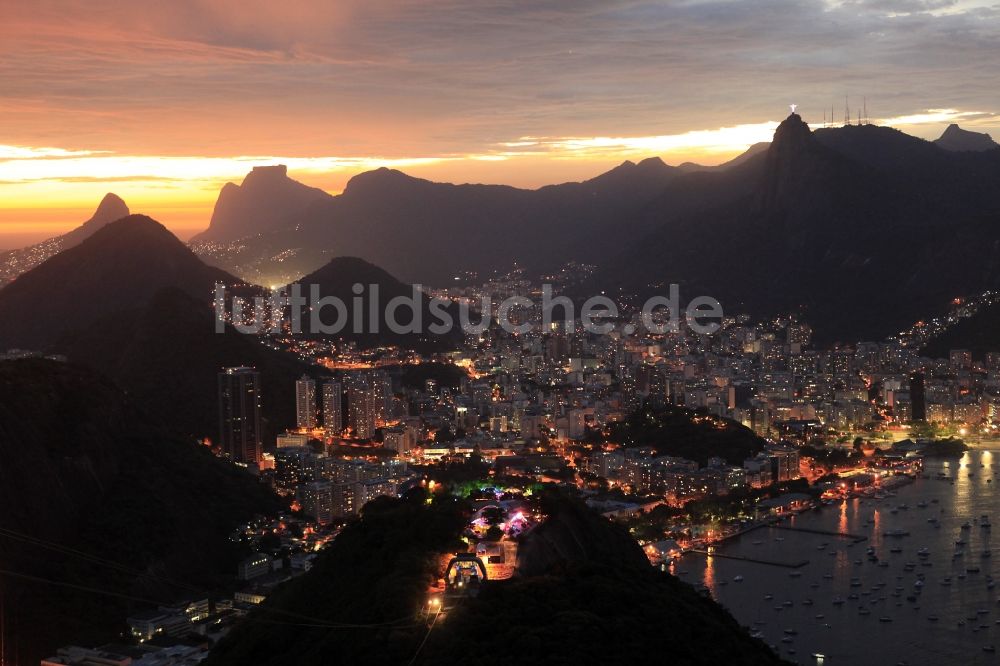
{"x": 168, "y": 355}
{"x": 956, "y": 138}
{"x": 15, "y": 262}
{"x": 135, "y": 303}
{"x": 338, "y": 278}
{"x": 266, "y": 200}
{"x": 120, "y": 267}
{"x": 584, "y": 593}
{"x": 422, "y": 231}
{"x": 851, "y": 226}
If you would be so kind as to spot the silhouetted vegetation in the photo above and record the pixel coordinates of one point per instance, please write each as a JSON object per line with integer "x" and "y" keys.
{"x": 587, "y": 596}
{"x": 373, "y": 578}
{"x": 695, "y": 435}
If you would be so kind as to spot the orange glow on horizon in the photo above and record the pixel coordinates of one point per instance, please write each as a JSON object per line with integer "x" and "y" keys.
{"x": 46, "y": 191}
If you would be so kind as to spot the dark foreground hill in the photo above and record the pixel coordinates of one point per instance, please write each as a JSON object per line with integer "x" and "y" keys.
{"x": 585, "y": 594}
{"x": 101, "y": 508}
{"x": 168, "y": 355}
{"x": 598, "y": 603}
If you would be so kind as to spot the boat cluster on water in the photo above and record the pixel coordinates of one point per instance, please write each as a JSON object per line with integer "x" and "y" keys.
{"x": 879, "y": 598}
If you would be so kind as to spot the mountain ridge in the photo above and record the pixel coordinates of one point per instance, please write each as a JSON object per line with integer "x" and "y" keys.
{"x": 265, "y": 198}
{"x": 959, "y": 139}
{"x": 118, "y": 267}
{"x": 19, "y": 260}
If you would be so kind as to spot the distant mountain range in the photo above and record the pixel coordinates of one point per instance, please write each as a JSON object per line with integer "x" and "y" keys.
{"x": 958, "y": 139}
{"x": 267, "y": 198}
{"x": 863, "y": 228}
{"x": 426, "y": 232}
{"x": 15, "y": 262}
{"x": 851, "y": 225}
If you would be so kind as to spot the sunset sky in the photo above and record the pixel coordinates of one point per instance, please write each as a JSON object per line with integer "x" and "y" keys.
{"x": 162, "y": 102}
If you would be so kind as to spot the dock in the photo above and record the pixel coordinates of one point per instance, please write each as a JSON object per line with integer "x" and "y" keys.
{"x": 753, "y": 560}
{"x": 856, "y": 538}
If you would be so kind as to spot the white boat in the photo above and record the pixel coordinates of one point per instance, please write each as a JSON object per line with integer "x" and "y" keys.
{"x": 737, "y": 579}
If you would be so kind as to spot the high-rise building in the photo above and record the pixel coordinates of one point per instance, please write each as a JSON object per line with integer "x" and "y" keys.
{"x": 305, "y": 403}
{"x": 333, "y": 417}
{"x": 316, "y": 499}
{"x": 293, "y": 465}
{"x": 239, "y": 414}
{"x": 361, "y": 406}
{"x": 344, "y": 500}
{"x": 918, "y": 402}
{"x": 382, "y": 387}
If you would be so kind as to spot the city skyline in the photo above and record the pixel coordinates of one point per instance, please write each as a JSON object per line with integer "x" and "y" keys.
{"x": 432, "y": 332}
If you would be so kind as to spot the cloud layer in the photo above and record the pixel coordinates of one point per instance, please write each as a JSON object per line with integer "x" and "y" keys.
{"x": 453, "y": 83}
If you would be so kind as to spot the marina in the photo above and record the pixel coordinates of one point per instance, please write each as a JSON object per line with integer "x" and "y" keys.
{"x": 874, "y": 580}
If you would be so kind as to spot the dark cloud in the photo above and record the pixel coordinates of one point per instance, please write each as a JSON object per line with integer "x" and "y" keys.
{"x": 448, "y": 76}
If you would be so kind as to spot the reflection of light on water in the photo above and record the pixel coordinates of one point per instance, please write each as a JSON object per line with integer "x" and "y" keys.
{"x": 854, "y": 638}
{"x": 963, "y": 486}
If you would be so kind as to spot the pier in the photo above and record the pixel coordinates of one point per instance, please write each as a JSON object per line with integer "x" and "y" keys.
{"x": 855, "y": 538}
{"x": 754, "y": 560}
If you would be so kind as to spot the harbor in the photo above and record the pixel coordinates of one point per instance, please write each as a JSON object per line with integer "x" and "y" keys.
{"x": 905, "y": 576}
